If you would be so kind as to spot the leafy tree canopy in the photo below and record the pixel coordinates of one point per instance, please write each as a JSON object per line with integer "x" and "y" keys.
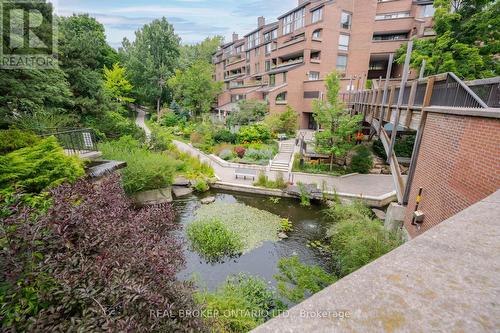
{"x": 116, "y": 84}
{"x": 194, "y": 88}
{"x": 337, "y": 124}
{"x": 467, "y": 42}
{"x": 249, "y": 111}
{"x": 202, "y": 51}
{"x": 151, "y": 60}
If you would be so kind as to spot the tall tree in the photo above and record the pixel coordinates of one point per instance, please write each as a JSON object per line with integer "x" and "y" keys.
{"x": 467, "y": 40}
{"x": 29, "y": 96}
{"x": 202, "y": 51}
{"x": 116, "y": 84}
{"x": 151, "y": 60}
{"x": 194, "y": 88}
{"x": 84, "y": 52}
{"x": 334, "y": 118}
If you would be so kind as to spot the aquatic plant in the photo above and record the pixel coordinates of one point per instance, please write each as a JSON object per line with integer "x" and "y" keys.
{"x": 213, "y": 240}
{"x": 305, "y": 199}
{"x": 356, "y": 239}
{"x": 201, "y": 185}
{"x": 274, "y": 200}
{"x": 297, "y": 281}
{"x": 286, "y": 225}
{"x": 252, "y": 225}
{"x": 239, "y": 305}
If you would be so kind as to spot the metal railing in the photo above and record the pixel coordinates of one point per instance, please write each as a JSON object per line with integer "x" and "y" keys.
{"x": 75, "y": 141}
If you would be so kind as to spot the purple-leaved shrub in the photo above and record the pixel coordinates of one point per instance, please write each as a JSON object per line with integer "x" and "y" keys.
{"x": 93, "y": 263}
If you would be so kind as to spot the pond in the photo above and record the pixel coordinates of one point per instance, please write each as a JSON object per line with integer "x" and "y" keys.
{"x": 308, "y": 223}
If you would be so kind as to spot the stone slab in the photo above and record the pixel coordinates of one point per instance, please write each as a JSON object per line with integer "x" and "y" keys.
{"x": 153, "y": 197}
{"x": 180, "y": 191}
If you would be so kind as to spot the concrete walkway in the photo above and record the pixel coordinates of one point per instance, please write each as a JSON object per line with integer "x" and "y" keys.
{"x": 377, "y": 190}
{"x": 139, "y": 121}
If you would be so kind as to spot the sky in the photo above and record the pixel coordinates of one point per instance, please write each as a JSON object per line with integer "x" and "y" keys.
{"x": 193, "y": 20}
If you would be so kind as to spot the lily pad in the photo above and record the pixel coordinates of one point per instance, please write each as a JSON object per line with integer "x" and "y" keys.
{"x": 252, "y": 225}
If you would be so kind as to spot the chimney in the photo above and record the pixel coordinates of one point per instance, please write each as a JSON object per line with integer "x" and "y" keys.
{"x": 261, "y": 21}
{"x": 235, "y": 36}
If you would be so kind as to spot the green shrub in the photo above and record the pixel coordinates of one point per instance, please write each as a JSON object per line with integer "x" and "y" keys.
{"x": 41, "y": 166}
{"x": 225, "y": 135}
{"x": 13, "y": 139}
{"x": 113, "y": 125}
{"x": 305, "y": 199}
{"x": 404, "y": 146}
{"x": 169, "y": 119}
{"x": 201, "y": 186}
{"x": 145, "y": 170}
{"x": 285, "y": 122}
{"x": 239, "y": 305}
{"x": 356, "y": 239}
{"x": 297, "y": 281}
{"x": 249, "y": 111}
{"x": 190, "y": 166}
{"x": 264, "y": 181}
{"x": 362, "y": 161}
{"x": 213, "y": 240}
{"x": 355, "y": 211}
{"x": 378, "y": 149}
{"x": 161, "y": 138}
{"x": 227, "y": 154}
{"x": 254, "y": 133}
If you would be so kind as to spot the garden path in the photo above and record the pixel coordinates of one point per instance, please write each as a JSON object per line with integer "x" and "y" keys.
{"x": 139, "y": 120}
{"x": 352, "y": 185}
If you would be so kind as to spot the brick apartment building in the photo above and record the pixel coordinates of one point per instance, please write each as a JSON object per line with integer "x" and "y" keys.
{"x": 285, "y": 62}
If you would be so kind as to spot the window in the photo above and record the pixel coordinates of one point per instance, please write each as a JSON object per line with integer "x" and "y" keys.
{"x": 317, "y": 15}
{"x": 256, "y": 51}
{"x": 281, "y": 97}
{"x": 390, "y": 16}
{"x": 268, "y": 48}
{"x": 268, "y": 65}
{"x": 341, "y": 62}
{"x": 284, "y": 76}
{"x": 268, "y": 36}
{"x": 235, "y": 98}
{"x": 287, "y": 24}
{"x": 248, "y": 69}
{"x": 343, "y": 42}
{"x": 272, "y": 79}
{"x": 299, "y": 16}
{"x": 293, "y": 21}
{"x": 345, "y": 20}
{"x": 238, "y": 49}
{"x": 316, "y": 55}
{"x": 257, "y": 68}
{"x": 247, "y": 55}
{"x": 399, "y": 36}
{"x": 253, "y": 40}
{"x": 313, "y": 76}
{"x": 317, "y": 34}
{"x": 427, "y": 10}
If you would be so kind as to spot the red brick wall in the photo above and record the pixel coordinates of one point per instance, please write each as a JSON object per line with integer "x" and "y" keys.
{"x": 458, "y": 165}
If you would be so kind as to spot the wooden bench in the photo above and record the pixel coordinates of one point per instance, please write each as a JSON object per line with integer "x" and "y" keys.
{"x": 245, "y": 173}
